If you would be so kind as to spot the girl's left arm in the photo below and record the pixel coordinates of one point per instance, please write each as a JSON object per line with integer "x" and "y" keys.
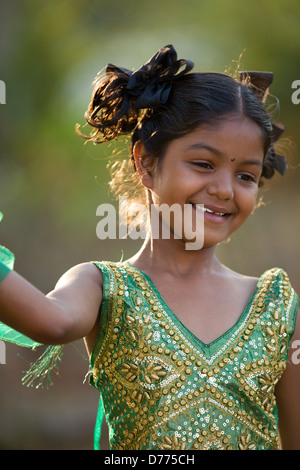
{"x": 288, "y": 395}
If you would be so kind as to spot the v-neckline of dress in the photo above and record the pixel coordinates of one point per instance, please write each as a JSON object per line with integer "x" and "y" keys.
{"x": 213, "y": 345}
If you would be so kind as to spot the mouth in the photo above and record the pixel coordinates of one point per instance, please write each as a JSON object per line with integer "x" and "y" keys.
{"x": 212, "y": 211}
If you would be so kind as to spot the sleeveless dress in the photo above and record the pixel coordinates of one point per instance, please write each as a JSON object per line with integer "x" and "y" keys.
{"x": 164, "y": 389}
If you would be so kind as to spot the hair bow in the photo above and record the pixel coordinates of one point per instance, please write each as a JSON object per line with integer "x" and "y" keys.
{"x": 260, "y": 82}
{"x": 274, "y": 161}
{"x": 151, "y": 84}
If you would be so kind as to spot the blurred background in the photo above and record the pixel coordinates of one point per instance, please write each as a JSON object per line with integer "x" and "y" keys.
{"x": 51, "y": 183}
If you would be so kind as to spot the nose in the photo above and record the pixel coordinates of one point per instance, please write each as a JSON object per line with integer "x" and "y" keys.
{"x": 221, "y": 185}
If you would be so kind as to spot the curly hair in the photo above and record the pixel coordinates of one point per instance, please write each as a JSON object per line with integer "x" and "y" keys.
{"x": 187, "y": 102}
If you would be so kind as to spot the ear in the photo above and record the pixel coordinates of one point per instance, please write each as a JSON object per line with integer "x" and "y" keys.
{"x": 144, "y": 163}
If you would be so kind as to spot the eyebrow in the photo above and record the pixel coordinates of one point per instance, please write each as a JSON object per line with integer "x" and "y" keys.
{"x": 201, "y": 146}
{"x": 205, "y": 147}
{"x": 253, "y": 162}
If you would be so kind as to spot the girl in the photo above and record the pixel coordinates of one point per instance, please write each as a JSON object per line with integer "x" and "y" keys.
{"x": 186, "y": 353}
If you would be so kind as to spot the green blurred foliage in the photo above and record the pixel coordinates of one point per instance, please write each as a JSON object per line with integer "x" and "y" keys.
{"x": 51, "y": 182}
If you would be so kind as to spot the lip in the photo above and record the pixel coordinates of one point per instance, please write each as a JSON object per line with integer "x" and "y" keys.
{"x": 218, "y": 215}
{"x": 217, "y": 209}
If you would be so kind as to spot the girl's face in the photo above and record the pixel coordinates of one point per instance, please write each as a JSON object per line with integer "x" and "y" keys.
{"x": 217, "y": 166}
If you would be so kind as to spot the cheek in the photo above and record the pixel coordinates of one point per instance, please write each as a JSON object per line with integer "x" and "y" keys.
{"x": 247, "y": 203}
{"x": 168, "y": 187}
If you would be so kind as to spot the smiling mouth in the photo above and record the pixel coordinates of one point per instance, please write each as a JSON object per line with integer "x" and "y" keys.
{"x": 210, "y": 211}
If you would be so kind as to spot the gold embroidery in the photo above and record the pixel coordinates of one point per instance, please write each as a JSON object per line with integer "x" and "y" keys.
{"x": 163, "y": 389}
{"x": 245, "y": 442}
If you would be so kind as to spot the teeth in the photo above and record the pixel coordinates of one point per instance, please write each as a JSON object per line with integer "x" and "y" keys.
{"x": 205, "y": 209}
{"x": 208, "y": 210}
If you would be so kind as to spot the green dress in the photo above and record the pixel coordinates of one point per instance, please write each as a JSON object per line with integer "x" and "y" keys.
{"x": 163, "y": 388}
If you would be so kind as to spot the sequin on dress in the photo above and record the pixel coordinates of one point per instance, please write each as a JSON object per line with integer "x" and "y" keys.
{"x": 164, "y": 389}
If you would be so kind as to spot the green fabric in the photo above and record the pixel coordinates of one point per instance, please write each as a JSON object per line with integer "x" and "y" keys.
{"x": 6, "y": 259}
{"x": 98, "y": 425}
{"x": 163, "y": 388}
{"x": 12, "y": 336}
{"x": 160, "y": 386}
{"x": 40, "y": 371}
{"x": 4, "y": 270}
{"x": 101, "y": 335}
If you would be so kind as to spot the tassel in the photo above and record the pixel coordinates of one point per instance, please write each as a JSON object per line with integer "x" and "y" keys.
{"x": 42, "y": 369}
{"x": 47, "y": 363}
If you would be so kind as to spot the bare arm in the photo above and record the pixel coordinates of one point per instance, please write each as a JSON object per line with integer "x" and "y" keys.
{"x": 67, "y": 313}
{"x": 288, "y": 396}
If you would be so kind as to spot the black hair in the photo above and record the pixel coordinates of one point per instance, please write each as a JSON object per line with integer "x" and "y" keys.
{"x": 183, "y": 102}
{"x": 200, "y": 99}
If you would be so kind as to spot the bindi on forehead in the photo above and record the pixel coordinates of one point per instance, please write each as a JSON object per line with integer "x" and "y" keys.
{"x": 232, "y": 159}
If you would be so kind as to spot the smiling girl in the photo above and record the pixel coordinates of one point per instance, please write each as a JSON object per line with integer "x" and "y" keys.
{"x": 186, "y": 353}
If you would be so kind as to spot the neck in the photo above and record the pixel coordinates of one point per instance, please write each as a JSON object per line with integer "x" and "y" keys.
{"x": 170, "y": 256}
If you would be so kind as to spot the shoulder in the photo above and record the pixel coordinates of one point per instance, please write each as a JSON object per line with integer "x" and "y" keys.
{"x": 83, "y": 273}
{"x": 277, "y": 283}
{"x": 276, "y": 274}
{"x": 241, "y": 283}
{"x": 282, "y": 298}
{"x": 274, "y": 286}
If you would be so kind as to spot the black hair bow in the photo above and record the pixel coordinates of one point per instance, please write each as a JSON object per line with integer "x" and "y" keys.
{"x": 151, "y": 84}
{"x": 260, "y": 82}
{"x": 273, "y": 160}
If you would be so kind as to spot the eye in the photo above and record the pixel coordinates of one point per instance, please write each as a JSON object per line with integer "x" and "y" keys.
{"x": 247, "y": 178}
{"x": 205, "y": 165}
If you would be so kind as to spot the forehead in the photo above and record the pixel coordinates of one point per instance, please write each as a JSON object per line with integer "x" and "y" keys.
{"x": 235, "y": 137}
